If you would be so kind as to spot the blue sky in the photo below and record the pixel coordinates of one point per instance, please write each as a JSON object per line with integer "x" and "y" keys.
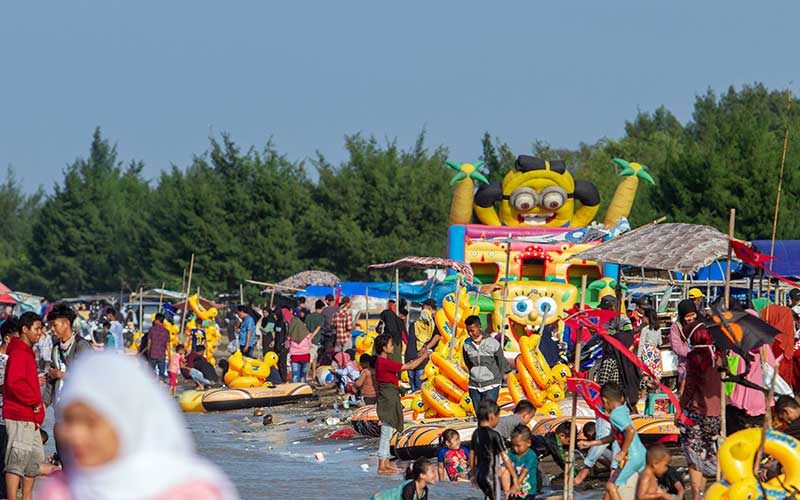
{"x": 158, "y": 77}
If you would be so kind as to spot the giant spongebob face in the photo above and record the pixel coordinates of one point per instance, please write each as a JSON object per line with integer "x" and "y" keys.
{"x": 537, "y": 193}
{"x": 529, "y": 302}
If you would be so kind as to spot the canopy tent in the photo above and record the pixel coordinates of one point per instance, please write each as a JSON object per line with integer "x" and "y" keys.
{"x": 429, "y": 263}
{"x": 673, "y": 246}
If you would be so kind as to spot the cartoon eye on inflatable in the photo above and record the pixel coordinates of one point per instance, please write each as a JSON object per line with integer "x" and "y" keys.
{"x": 545, "y": 306}
{"x": 553, "y": 198}
{"x": 522, "y": 307}
{"x": 523, "y": 199}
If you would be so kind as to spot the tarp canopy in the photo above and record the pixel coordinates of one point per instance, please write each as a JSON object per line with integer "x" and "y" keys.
{"x": 787, "y": 256}
{"x": 308, "y": 278}
{"x": 429, "y": 263}
{"x": 349, "y": 289}
{"x": 672, "y": 246}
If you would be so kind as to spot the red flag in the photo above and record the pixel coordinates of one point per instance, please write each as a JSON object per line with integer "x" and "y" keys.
{"x": 595, "y": 320}
{"x": 755, "y": 259}
{"x": 590, "y": 392}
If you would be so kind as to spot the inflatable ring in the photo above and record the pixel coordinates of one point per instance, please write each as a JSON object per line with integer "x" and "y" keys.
{"x": 448, "y": 388}
{"x": 736, "y": 457}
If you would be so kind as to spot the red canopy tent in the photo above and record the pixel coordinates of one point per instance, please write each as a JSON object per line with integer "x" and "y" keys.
{"x": 5, "y": 297}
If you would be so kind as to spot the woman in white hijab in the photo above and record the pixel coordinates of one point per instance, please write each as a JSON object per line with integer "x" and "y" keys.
{"x": 122, "y": 438}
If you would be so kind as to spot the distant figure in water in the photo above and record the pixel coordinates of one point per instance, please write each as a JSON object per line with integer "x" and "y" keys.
{"x": 120, "y": 436}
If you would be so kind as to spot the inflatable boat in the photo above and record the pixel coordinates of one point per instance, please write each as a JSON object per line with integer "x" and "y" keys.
{"x": 236, "y": 399}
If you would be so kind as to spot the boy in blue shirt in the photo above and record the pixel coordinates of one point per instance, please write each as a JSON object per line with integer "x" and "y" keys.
{"x": 632, "y": 455}
{"x": 526, "y": 464}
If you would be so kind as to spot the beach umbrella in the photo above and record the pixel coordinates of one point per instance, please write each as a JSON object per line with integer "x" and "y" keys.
{"x": 738, "y": 331}
{"x": 308, "y": 278}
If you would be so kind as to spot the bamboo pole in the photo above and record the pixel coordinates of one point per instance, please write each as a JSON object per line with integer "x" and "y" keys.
{"x": 503, "y": 321}
{"x": 186, "y": 299}
{"x": 454, "y": 331}
{"x": 141, "y": 315}
{"x": 397, "y": 290}
{"x": 723, "y": 399}
{"x": 778, "y": 197}
{"x": 241, "y": 294}
{"x": 569, "y": 479}
{"x": 366, "y": 294}
{"x": 161, "y": 296}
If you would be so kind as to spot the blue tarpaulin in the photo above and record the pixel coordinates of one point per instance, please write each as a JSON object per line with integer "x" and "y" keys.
{"x": 787, "y": 256}
{"x": 384, "y": 290}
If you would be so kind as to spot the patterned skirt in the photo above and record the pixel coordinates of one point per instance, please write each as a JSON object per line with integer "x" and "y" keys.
{"x": 699, "y": 442}
{"x": 651, "y": 357}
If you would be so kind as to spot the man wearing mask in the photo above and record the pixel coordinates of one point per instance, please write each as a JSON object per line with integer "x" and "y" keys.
{"x": 67, "y": 348}
{"x": 422, "y": 335}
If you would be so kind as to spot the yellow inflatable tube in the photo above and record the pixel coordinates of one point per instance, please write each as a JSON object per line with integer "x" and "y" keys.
{"x": 736, "y": 457}
{"x": 534, "y": 395}
{"x": 443, "y": 406}
{"x": 534, "y": 360}
{"x": 452, "y": 370}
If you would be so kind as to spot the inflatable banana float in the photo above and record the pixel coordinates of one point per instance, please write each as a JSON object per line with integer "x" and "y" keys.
{"x": 237, "y": 399}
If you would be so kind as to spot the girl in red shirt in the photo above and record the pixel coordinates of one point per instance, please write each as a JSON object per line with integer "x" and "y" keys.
{"x": 390, "y": 410}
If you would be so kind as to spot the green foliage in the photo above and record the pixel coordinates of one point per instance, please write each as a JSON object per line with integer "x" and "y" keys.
{"x": 256, "y": 214}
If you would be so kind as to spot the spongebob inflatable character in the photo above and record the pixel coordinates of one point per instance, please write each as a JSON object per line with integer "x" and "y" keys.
{"x": 530, "y": 302}
{"x": 538, "y": 193}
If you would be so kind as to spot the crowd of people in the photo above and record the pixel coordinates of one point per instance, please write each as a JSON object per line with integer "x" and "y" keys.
{"x": 42, "y": 360}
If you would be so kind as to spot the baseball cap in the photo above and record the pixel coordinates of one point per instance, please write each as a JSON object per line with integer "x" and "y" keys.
{"x": 644, "y": 302}
{"x": 695, "y": 293}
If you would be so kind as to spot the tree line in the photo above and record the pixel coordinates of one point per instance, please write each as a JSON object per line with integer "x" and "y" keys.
{"x": 255, "y": 214}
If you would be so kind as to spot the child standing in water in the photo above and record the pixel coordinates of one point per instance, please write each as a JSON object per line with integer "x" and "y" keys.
{"x": 631, "y": 456}
{"x": 419, "y": 475}
{"x": 488, "y": 451}
{"x": 390, "y": 410}
{"x": 525, "y": 461}
{"x": 175, "y": 363}
{"x": 452, "y": 457}
{"x": 658, "y": 459}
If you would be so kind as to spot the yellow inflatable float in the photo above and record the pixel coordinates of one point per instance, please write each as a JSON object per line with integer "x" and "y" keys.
{"x": 736, "y": 457}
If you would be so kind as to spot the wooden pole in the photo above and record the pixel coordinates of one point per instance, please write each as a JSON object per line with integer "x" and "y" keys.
{"x": 397, "y": 289}
{"x": 141, "y": 314}
{"x": 503, "y": 321}
{"x": 731, "y": 225}
{"x": 569, "y": 476}
{"x": 161, "y": 296}
{"x": 186, "y": 298}
{"x": 366, "y": 294}
{"x": 778, "y": 198}
{"x": 241, "y": 294}
{"x": 454, "y": 331}
{"x": 723, "y": 398}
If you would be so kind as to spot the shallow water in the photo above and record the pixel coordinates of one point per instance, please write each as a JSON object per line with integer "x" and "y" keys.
{"x": 277, "y": 461}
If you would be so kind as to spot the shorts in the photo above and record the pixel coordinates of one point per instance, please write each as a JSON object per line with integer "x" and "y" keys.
{"x": 24, "y": 451}
{"x": 173, "y": 379}
{"x": 313, "y": 352}
{"x": 627, "y": 489}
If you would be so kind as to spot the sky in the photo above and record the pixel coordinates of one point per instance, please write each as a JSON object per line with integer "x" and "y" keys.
{"x": 160, "y": 77}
